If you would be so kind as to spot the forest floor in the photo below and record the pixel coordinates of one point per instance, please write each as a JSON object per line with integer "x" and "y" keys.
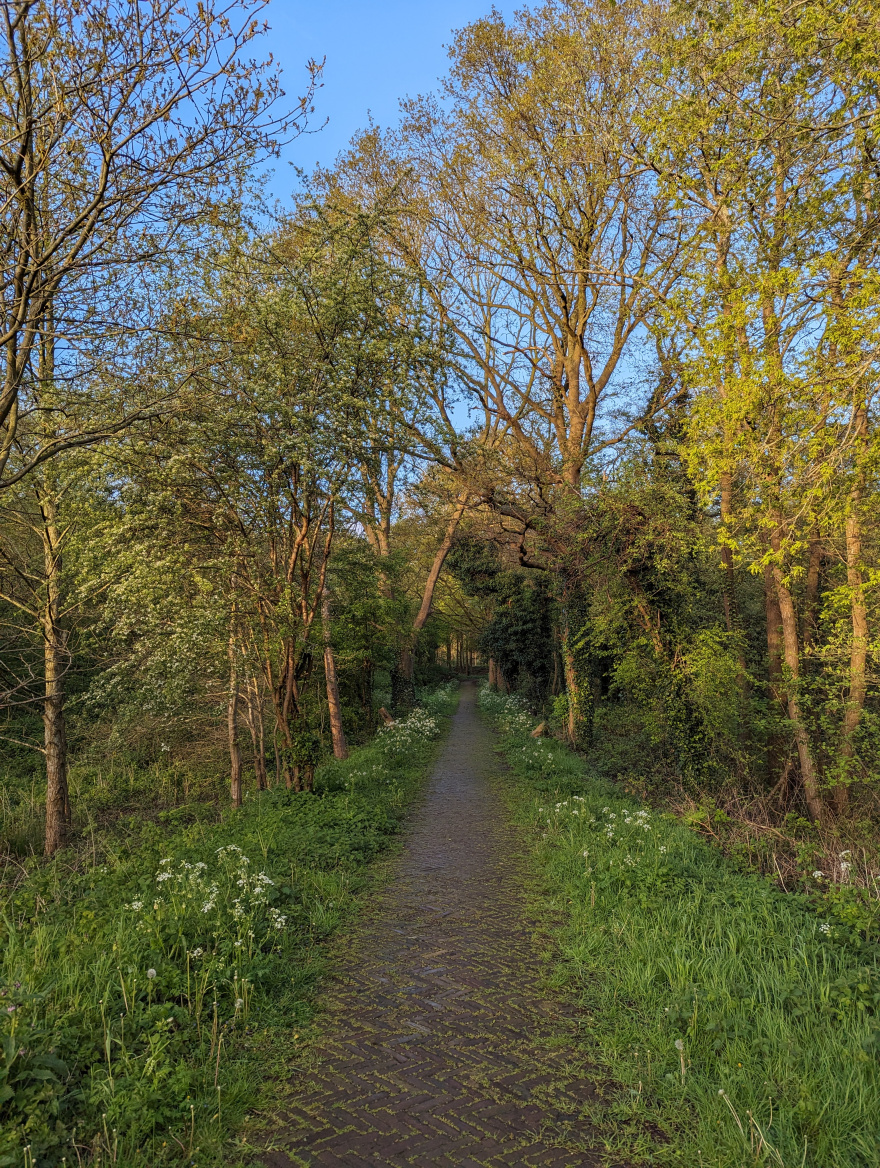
{"x": 439, "y": 1042}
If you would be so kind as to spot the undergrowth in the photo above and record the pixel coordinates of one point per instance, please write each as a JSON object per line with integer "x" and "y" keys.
{"x": 145, "y": 996}
{"x": 735, "y": 1025}
{"x": 837, "y": 862}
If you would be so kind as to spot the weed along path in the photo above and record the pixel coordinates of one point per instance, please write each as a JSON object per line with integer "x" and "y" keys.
{"x": 435, "y": 1047}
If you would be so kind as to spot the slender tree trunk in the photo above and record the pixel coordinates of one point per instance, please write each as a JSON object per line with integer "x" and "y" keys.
{"x": 55, "y": 740}
{"x": 775, "y": 743}
{"x": 232, "y": 728}
{"x": 55, "y": 657}
{"x": 334, "y": 705}
{"x": 260, "y": 761}
{"x": 729, "y": 590}
{"x": 791, "y": 652}
{"x": 858, "y": 653}
{"x": 580, "y": 696}
{"x": 731, "y": 607}
{"x": 254, "y": 719}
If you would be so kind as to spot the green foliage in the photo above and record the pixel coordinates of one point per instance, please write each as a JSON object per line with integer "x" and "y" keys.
{"x": 734, "y": 1018}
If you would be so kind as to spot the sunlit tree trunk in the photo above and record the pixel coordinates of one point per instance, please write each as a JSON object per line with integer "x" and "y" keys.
{"x": 859, "y": 620}
{"x": 791, "y": 653}
{"x": 256, "y": 729}
{"x": 334, "y": 705}
{"x": 260, "y": 761}
{"x": 232, "y": 728}
{"x": 55, "y": 656}
{"x": 579, "y": 724}
{"x": 778, "y": 698}
{"x": 858, "y": 655}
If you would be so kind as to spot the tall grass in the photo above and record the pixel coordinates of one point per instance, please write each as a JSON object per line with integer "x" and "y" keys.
{"x": 735, "y": 1024}
{"x": 139, "y": 996}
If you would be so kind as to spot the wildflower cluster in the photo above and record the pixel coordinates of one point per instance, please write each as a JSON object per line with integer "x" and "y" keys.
{"x": 400, "y": 737}
{"x": 232, "y": 901}
{"x": 510, "y": 710}
{"x": 616, "y": 842}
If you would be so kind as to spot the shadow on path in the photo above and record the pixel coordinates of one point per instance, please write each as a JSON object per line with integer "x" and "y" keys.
{"x": 434, "y": 1046}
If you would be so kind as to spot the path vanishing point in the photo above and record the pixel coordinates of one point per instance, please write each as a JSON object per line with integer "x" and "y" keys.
{"x": 436, "y": 1041}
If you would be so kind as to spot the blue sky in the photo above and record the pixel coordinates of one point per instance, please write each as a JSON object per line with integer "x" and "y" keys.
{"x": 377, "y": 53}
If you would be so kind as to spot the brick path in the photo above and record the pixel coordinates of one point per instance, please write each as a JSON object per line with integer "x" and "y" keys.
{"x": 434, "y": 1046}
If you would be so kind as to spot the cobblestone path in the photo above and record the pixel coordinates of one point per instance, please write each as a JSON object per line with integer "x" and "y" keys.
{"x": 434, "y": 1048}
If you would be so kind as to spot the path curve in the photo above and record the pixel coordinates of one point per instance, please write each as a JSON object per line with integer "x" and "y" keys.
{"x": 434, "y": 1045}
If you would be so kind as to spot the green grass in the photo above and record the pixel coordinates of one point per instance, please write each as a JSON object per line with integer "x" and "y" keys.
{"x": 732, "y": 1024}
{"x": 145, "y": 1000}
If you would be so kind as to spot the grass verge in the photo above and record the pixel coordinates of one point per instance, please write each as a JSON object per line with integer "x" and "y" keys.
{"x": 735, "y": 1025}
{"x": 144, "y": 999}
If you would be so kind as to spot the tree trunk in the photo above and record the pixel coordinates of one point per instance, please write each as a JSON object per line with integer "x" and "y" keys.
{"x": 731, "y": 606}
{"x": 232, "y": 729}
{"x": 858, "y": 653}
{"x": 340, "y": 746}
{"x": 254, "y": 719}
{"x": 729, "y": 589}
{"x": 775, "y": 744}
{"x": 55, "y": 739}
{"x": 55, "y": 656}
{"x": 260, "y": 761}
{"x": 580, "y": 698}
{"x": 791, "y": 652}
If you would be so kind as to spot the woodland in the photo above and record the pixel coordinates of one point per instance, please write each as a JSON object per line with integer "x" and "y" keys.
{"x": 569, "y": 380}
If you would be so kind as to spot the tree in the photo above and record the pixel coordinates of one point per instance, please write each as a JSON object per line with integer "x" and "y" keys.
{"x": 546, "y": 247}
{"x": 121, "y": 125}
{"x": 769, "y": 153}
